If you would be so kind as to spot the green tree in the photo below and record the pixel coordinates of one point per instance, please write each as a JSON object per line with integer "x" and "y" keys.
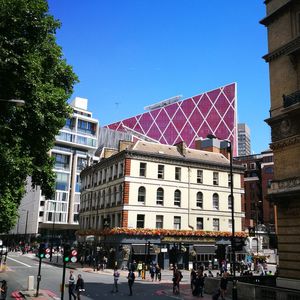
{"x": 32, "y": 68}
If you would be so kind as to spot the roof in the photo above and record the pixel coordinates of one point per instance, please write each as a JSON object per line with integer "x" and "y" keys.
{"x": 193, "y": 154}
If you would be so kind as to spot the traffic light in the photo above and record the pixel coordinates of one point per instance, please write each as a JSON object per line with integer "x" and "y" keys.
{"x": 67, "y": 253}
{"x": 251, "y": 231}
{"x": 42, "y": 251}
{"x": 239, "y": 244}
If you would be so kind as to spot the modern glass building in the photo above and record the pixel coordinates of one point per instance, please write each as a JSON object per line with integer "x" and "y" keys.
{"x": 74, "y": 148}
{"x": 172, "y": 121}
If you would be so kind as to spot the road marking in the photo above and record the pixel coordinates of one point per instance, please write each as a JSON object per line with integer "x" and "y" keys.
{"x": 19, "y": 262}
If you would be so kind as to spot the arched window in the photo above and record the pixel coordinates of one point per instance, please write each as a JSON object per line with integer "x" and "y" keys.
{"x": 215, "y": 201}
{"x": 160, "y": 196}
{"x": 142, "y": 194}
{"x": 199, "y": 200}
{"x": 229, "y": 202}
{"x": 177, "y": 198}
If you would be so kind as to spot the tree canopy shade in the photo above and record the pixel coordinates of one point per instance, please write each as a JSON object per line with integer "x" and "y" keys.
{"x": 32, "y": 68}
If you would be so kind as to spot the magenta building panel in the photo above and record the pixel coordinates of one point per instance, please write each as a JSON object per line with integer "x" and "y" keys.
{"x": 212, "y": 112}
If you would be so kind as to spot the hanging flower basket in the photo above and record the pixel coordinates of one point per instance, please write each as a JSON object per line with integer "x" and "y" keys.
{"x": 156, "y": 232}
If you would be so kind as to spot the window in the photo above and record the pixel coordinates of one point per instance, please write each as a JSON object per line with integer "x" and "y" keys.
{"x": 160, "y": 196}
{"x": 140, "y": 221}
{"x": 199, "y": 201}
{"x": 141, "y": 194}
{"x": 230, "y": 224}
{"x": 216, "y": 224}
{"x": 199, "y": 176}
{"x": 177, "y": 173}
{"x": 62, "y": 161}
{"x": 229, "y": 202}
{"x": 143, "y": 169}
{"x": 160, "y": 171}
{"x": 215, "y": 201}
{"x": 177, "y": 223}
{"x": 229, "y": 180}
{"x": 177, "y": 198}
{"x": 62, "y": 181}
{"x": 159, "y": 221}
{"x": 199, "y": 224}
{"x": 215, "y": 178}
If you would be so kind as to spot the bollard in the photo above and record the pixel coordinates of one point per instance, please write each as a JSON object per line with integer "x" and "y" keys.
{"x": 30, "y": 283}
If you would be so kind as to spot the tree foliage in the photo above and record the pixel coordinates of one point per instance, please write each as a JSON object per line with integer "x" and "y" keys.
{"x": 32, "y": 68}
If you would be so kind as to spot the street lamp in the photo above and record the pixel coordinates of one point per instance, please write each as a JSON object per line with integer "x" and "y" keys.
{"x": 17, "y": 102}
{"x": 229, "y": 149}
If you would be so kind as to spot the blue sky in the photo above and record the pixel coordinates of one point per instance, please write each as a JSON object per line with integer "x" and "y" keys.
{"x": 132, "y": 53}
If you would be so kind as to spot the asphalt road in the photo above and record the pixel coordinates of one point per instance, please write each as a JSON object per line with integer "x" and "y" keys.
{"x": 97, "y": 285}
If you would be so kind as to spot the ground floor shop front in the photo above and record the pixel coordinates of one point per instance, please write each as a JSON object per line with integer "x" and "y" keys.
{"x": 128, "y": 250}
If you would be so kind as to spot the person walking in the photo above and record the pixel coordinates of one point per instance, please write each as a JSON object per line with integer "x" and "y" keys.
{"x": 140, "y": 268}
{"x": 79, "y": 286}
{"x": 157, "y": 272}
{"x": 176, "y": 281}
{"x": 116, "y": 276}
{"x": 223, "y": 285}
{"x": 131, "y": 278}
{"x": 72, "y": 286}
{"x": 193, "y": 277}
{"x": 3, "y": 290}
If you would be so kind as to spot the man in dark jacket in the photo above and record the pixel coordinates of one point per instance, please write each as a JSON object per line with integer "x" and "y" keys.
{"x": 131, "y": 278}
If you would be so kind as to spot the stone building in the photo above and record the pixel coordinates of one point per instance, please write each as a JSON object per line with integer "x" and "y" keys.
{"x": 154, "y": 202}
{"x": 283, "y": 25}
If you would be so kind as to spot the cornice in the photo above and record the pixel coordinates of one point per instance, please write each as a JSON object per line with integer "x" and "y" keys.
{"x": 285, "y": 143}
{"x": 275, "y": 14}
{"x": 287, "y": 49}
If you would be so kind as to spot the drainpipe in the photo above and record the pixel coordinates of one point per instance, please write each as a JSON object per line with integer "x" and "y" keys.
{"x": 189, "y": 198}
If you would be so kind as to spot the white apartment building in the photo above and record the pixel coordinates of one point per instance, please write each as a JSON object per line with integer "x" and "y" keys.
{"x": 244, "y": 140}
{"x": 160, "y": 190}
{"x": 74, "y": 147}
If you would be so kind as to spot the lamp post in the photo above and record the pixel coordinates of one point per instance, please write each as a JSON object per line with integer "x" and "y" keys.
{"x": 17, "y": 102}
{"x": 229, "y": 150}
{"x": 52, "y": 237}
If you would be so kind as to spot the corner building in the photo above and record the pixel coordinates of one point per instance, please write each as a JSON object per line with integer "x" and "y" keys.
{"x": 283, "y": 25}
{"x": 153, "y": 202}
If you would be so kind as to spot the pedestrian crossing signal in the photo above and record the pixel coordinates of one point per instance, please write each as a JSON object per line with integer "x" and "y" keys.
{"x": 251, "y": 231}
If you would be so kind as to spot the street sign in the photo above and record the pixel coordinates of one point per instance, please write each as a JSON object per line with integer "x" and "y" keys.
{"x": 48, "y": 250}
{"x": 74, "y": 252}
{"x": 73, "y": 259}
{"x": 47, "y": 255}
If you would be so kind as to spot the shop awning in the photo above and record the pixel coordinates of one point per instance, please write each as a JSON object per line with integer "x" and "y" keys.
{"x": 205, "y": 249}
{"x": 139, "y": 249}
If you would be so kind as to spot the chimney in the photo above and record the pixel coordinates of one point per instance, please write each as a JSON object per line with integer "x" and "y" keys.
{"x": 211, "y": 145}
{"x": 224, "y": 149}
{"x": 181, "y": 148}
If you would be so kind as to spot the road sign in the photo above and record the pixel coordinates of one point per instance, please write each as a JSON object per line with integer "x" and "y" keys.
{"x": 47, "y": 255}
{"x": 73, "y": 259}
{"x": 47, "y": 250}
{"x": 74, "y": 253}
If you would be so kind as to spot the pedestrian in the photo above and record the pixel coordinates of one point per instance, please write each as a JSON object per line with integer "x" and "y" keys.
{"x": 3, "y": 290}
{"x": 140, "y": 268}
{"x": 152, "y": 272}
{"x": 157, "y": 272}
{"x": 79, "y": 286}
{"x": 200, "y": 283}
{"x": 105, "y": 260}
{"x": 193, "y": 277}
{"x": 116, "y": 276}
{"x": 210, "y": 274}
{"x": 131, "y": 278}
{"x": 176, "y": 281}
{"x": 223, "y": 285}
{"x": 72, "y": 286}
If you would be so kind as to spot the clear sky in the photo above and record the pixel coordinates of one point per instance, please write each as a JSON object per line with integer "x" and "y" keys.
{"x": 132, "y": 53}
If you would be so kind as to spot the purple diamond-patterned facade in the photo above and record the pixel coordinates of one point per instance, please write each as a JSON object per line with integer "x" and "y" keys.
{"x": 212, "y": 112}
